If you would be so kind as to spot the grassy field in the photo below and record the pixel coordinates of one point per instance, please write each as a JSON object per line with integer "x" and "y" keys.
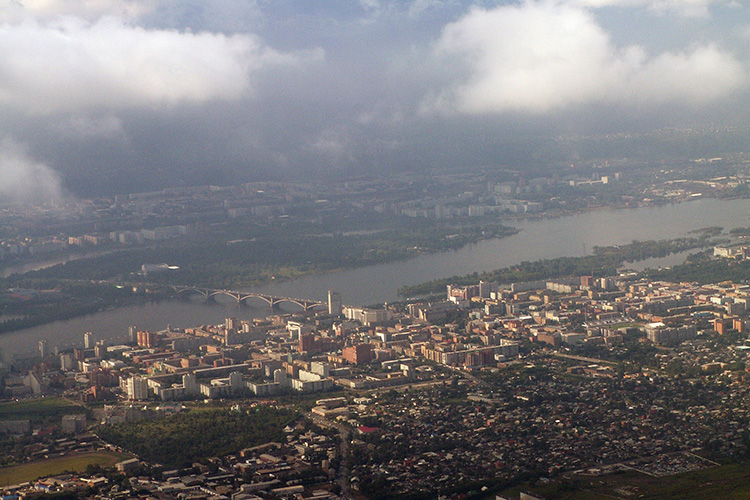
{"x": 49, "y": 467}
{"x": 38, "y": 409}
{"x": 727, "y": 482}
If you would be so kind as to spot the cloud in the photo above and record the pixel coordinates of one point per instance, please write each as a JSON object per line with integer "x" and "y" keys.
{"x": 73, "y": 65}
{"x": 702, "y": 75}
{"x": 540, "y": 57}
{"x": 122, "y": 95}
{"x": 688, "y": 8}
{"x": 15, "y": 10}
{"x": 82, "y": 127}
{"x": 23, "y": 180}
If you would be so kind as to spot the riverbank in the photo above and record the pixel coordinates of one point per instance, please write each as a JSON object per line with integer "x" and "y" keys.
{"x": 537, "y": 239}
{"x": 604, "y": 261}
{"x": 572, "y": 236}
{"x": 210, "y": 261}
{"x": 84, "y": 286}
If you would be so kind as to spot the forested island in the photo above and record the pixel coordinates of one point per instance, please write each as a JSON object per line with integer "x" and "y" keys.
{"x": 604, "y": 261}
{"x": 275, "y": 253}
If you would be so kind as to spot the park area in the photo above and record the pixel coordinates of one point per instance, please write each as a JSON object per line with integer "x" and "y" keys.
{"x": 38, "y": 410}
{"x": 75, "y": 462}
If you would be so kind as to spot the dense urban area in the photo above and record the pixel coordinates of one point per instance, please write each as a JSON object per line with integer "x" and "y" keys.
{"x": 375, "y": 250}
{"x": 562, "y": 379}
{"x": 489, "y": 389}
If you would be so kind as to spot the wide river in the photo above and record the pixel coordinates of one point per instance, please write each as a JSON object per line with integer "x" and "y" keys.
{"x": 573, "y": 235}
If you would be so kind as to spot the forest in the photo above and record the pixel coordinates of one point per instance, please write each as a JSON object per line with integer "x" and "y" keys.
{"x": 604, "y": 261}
{"x": 195, "y": 435}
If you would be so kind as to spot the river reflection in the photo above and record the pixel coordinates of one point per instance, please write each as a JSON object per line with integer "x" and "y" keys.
{"x": 568, "y": 236}
{"x": 538, "y": 239}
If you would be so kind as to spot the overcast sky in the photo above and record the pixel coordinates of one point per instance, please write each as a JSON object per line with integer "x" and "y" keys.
{"x": 107, "y": 96}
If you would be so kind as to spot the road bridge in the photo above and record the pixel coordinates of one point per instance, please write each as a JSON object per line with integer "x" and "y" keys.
{"x": 241, "y": 297}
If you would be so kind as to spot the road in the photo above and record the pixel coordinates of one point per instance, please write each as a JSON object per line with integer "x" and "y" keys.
{"x": 584, "y": 359}
{"x": 342, "y": 474}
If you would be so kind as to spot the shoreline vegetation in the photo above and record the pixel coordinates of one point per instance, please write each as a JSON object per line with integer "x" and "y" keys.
{"x": 85, "y": 286}
{"x": 91, "y": 285}
{"x": 604, "y": 261}
{"x": 219, "y": 263}
{"x": 490, "y": 228}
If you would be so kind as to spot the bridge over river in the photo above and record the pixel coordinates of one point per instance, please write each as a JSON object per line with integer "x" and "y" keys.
{"x": 241, "y": 297}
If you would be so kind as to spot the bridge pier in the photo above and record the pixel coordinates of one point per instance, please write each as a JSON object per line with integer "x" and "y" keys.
{"x": 241, "y": 297}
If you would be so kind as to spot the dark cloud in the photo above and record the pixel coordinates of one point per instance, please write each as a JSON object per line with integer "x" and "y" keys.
{"x": 120, "y": 95}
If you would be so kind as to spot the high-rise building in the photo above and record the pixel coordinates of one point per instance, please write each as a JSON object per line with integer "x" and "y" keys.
{"x": 236, "y": 381}
{"x": 66, "y": 361}
{"x": 484, "y": 289}
{"x": 137, "y": 388}
{"x": 334, "y": 303}
{"x": 88, "y": 340}
{"x": 190, "y": 384}
{"x": 147, "y": 339}
{"x": 43, "y": 348}
{"x": 307, "y": 342}
{"x": 232, "y": 324}
{"x": 280, "y": 377}
{"x": 133, "y": 334}
{"x": 297, "y": 329}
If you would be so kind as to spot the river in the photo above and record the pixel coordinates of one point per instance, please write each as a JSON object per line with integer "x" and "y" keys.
{"x": 572, "y": 235}
{"x": 568, "y": 236}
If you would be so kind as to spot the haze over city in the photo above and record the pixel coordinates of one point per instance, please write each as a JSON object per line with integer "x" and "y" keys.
{"x": 374, "y": 249}
{"x": 114, "y": 96}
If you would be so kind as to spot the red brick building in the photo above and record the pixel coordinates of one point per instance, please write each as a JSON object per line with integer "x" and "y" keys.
{"x": 358, "y": 354}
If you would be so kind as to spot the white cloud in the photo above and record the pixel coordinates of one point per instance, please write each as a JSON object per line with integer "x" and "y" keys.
{"x": 537, "y": 57}
{"x": 73, "y": 65}
{"x": 23, "y": 180}
{"x": 689, "y": 8}
{"x": 704, "y": 74}
{"x": 85, "y": 9}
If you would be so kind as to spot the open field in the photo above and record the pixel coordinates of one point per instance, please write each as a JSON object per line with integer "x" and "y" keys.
{"x": 51, "y": 466}
{"x": 728, "y": 482}
{"x": 38, "y": 409}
